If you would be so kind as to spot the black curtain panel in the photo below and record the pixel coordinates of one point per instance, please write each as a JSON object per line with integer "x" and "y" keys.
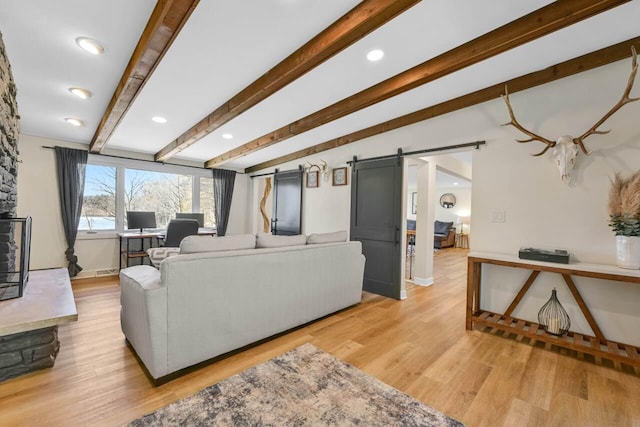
{"x": 71, "y": 165}
{"x": 223, "y": 181}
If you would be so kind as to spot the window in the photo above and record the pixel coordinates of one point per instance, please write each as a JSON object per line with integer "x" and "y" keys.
{"x": 99, "y": 202}
{"x": 115, "y": 186}
{"x": 163, "y": 193}
{"x": 206, "y": 202}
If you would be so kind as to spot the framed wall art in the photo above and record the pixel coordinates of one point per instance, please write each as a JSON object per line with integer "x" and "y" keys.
{"x": 312, "y": 179}
{"x": 339, "y": 176}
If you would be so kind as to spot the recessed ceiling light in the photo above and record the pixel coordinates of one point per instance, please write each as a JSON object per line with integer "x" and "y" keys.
{"x": 159, "y": 119}
{"x": 90, "y": 45}
{"x": 81, "y": 93}
{"x": 456, "y": 183}
{"x": 227, "y": 136}
{"x": 375, "y": 55}
{"x": 73, "y": 121}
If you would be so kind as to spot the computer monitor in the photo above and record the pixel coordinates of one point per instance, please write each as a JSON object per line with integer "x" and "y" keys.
{"x": 197, "y": 216}
{"x": 141, "y": 220}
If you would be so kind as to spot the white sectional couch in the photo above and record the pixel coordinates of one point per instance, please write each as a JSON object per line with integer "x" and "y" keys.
{"x": 200, "y": 305}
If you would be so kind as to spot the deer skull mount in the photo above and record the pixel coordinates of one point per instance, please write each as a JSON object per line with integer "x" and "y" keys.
{"x": 565, "y": 149}
{"x": 321, "y": 168}
{"x": 565, "y": 153}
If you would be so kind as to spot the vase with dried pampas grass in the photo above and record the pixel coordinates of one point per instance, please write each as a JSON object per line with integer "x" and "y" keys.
{"x": 624, "y": 219}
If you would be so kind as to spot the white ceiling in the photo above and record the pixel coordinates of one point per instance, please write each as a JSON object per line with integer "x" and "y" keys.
{"x": 225, "y": 45}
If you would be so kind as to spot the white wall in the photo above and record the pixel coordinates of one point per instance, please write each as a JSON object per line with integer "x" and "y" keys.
{"x": 540, "y": 209}
{"x": 38, "y": 197}
{"x": 324, "y": 209}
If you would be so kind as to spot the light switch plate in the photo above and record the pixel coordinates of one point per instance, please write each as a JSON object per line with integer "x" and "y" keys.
{"x": 498, "y": 216}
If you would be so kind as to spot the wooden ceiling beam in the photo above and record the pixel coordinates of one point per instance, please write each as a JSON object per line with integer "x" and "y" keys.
{"x": 166, "y": 21}
{"x": 546, "y": 20}
{"x": 568, "y": 68}
{"x": 351, "y": 27}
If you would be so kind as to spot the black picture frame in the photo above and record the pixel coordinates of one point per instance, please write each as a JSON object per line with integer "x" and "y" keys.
{"x": 414, "y": 203}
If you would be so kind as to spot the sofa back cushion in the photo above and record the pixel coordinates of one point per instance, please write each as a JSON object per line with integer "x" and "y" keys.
{"x": 442, "y": 227}
{"x": 337, "y": 236}
{"x": 196, "y": 244}
{"x": 270, "y": 241}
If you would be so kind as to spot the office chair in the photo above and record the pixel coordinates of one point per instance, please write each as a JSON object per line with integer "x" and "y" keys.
{"x": 178, "y": 229}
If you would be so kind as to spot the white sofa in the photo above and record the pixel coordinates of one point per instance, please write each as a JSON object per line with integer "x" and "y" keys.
{"x": 199, "y": 306}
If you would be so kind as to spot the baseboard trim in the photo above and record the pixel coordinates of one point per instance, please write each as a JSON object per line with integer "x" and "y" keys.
{"x": 96, "y": 274}
{"x": 403, "y": 294}
{"x": 423, "y": 282}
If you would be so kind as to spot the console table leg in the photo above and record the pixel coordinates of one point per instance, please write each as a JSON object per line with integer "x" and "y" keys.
{"x": 473, "y": 291}
{"x": 532, "y": 277}
{"x": 585, "y": 310}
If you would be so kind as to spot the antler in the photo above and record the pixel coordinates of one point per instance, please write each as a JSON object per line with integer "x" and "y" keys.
{"x": 623, "y": 101}
{"x": 514, "y": 123}
{"x": 322, "y": 168}
{"x": 312, "y": 165}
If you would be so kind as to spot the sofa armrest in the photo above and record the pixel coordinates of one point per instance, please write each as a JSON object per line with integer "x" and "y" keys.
{"x": 451, "y": 237}
{"x": 143, "y": 316}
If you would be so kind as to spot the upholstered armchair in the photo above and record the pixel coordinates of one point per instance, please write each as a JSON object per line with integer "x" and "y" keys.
{"x": 444, "y": 235}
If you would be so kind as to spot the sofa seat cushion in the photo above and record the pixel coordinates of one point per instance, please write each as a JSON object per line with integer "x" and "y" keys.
{"x": 197, "y": 244}
{"x": 270, "y": 241}
{"x": 335, "y": 237}
{"x": 157, "y": 255}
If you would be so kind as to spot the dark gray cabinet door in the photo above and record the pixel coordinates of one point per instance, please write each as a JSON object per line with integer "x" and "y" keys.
{"x": 287, "y": 203}
{"x": 376, "y": 210}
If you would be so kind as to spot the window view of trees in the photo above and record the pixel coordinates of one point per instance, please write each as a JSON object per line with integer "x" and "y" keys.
{"x": 163, "y": 193}
{"x": 99, "y": 205}
{"x": 206, "y": 202}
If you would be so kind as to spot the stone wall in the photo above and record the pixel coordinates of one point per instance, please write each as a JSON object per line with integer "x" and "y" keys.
{"x": 28, "y": 351}
{"x": 9, "y": 129}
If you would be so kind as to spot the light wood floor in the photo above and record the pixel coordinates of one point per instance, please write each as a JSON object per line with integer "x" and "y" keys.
{"x": 419, "y": 346}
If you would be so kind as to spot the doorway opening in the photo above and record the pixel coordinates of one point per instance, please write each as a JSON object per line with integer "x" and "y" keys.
{"x": 438, "y": 211}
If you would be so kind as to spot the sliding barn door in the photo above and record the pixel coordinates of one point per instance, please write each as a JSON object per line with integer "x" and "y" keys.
{"x": 376, "y": 210}
{"x": 287, "y": 203}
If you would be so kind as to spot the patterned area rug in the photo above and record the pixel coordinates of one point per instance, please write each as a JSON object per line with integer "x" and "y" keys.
{"x": 304, "y": 387}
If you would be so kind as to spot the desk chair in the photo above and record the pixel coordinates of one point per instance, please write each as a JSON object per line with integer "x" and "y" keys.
{"x": 178, "y": 229}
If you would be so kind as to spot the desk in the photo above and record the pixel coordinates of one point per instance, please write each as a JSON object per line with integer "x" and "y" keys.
{"x": 128, "y": 253}
{"x": 596, "y": 345}
{"x": 153, "y": 236}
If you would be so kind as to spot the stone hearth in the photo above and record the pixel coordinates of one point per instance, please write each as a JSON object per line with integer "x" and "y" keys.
{"x": 29, "y": 325}
{"x": 28, "y": 351}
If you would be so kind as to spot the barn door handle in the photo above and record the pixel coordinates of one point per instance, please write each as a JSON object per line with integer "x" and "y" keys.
{"x": 397, "y": 236}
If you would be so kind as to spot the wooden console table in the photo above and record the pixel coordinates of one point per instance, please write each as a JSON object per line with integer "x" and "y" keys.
{"x": 596, "y": 345}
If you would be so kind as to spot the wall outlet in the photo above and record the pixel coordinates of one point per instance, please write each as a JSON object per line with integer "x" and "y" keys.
{"x": 498, "y": 216}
